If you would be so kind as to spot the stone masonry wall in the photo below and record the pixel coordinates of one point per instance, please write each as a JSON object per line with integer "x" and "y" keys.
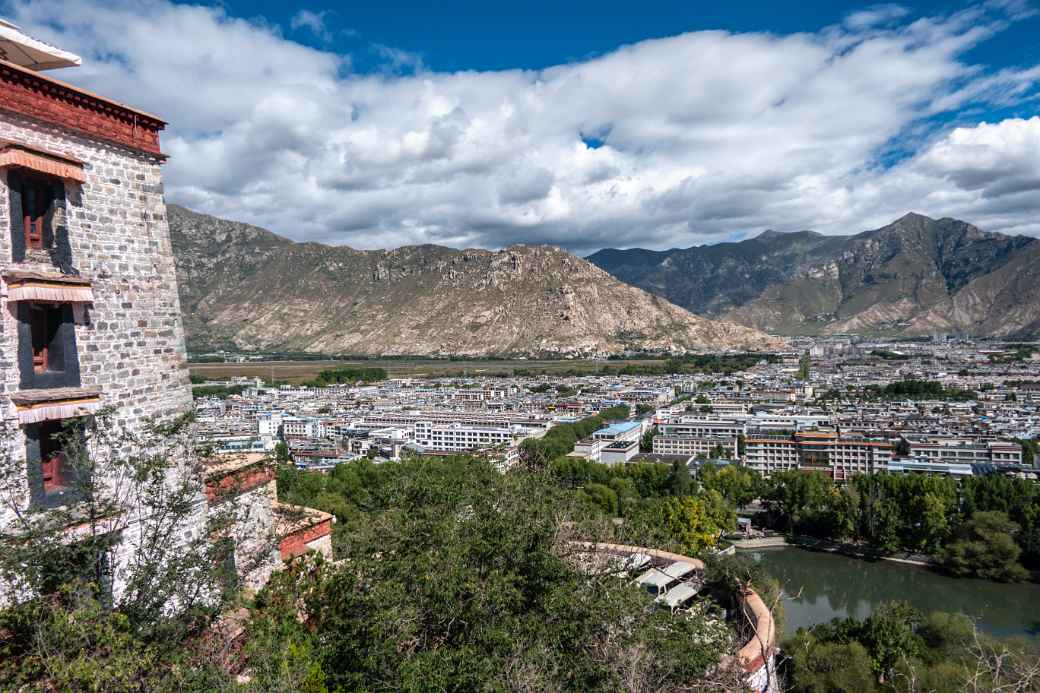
{"x": 130, "y": 340}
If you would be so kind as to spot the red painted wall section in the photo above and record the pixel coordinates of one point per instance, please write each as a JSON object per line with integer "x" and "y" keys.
{"x": 28, "y": 94}
{"x": 238, "y": 482}
{"x": 296, "y": 544}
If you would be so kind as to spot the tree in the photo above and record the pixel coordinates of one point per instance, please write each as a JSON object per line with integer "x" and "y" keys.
{"x": 679, "y": 481}
{"x": 463, "y": 578}
{"x": 281, "y": 452}
{"x": 646, "y": 443}
{"x": 908, "y": 653}
{"x": 603, "y": 497}
{"x": 826, "y": 667}
{"x": 804, "y": 366}
{"x": 115, "y": 604}
{"x": 697, "y": 523}
{"x": 985, "y": 547}
{"x": 738, "y": 485}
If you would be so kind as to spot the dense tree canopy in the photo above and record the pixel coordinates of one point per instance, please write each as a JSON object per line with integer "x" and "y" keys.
{"x": 899, "y": 649}
{"x": 937, "y": 516}
{"x": 462, "y": 578}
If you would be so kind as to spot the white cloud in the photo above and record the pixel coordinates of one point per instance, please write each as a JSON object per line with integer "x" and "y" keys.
{"x": 705, "y": 134}
{"x": 313, "y": 22}
{"x": 874, "y": 16}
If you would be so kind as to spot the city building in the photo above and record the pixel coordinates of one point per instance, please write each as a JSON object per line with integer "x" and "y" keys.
{"x": 840, "y": 457}
{"x": 957, "y": 450}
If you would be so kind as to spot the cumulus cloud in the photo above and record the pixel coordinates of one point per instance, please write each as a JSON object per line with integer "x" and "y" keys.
{"x": 694, "y": 138}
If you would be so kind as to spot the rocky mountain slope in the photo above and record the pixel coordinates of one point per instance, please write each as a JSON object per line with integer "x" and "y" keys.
{"x": 915, "y": 276}
{"x": 245, "y": 287}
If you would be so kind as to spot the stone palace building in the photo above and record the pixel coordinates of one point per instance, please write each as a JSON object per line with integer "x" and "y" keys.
{"x": 89, "y": 311}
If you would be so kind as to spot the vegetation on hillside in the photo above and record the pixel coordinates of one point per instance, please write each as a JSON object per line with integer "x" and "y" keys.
{"x": 458, "y": 577}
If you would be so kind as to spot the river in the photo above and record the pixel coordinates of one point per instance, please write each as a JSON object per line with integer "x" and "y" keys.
{"x": 822, "y": 586}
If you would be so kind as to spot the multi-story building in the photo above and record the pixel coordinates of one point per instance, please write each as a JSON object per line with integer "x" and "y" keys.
{"x": 957, "y": 450}
{"x": 696, "y": 446}
{"x": 623, "y": 430}
{"x": 300, "y": 427}
{"x": 838, "y": 456}
{"x": 459, "y": 438}
{"x": 687, "y": 435}
{"x": 89, "y": 311}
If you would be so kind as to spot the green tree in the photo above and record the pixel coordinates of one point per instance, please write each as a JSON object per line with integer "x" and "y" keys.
{"x": 679, "y": 481}
{"x": 646, "y": 443}
{"x": 804, "y": 366}
{"x": 985, "y": 547}
{"x": 738, "y": 485}
{"x": 697, "y": 523}
{"x": 281, "y": 452}
{"x": 829, "y": 667}
{"x": 460, "y": 578}
{"x": 86, "y": 620}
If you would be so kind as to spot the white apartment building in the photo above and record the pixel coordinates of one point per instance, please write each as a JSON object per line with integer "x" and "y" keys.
{"x": 300, "y": 427}
{"x": 624, "y": 430}
{"x": 692, "y": 436}
{"x": 954, "y": 450}
{"x": 269, "y": 423}
{"x": 460, "y": 438}
{"x": 693, "y": 446}
{"x": 619, "y": 452}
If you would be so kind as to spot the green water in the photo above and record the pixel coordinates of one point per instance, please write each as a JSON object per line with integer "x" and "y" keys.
{"x": 822, "y": 586}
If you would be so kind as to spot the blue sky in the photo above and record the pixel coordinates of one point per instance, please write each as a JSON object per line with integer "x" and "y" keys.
{"x": 580, "y": 124}
{"x": 480, "y": 35}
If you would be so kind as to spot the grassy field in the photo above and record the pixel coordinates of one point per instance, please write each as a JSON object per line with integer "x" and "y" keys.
{"x": 299, "y": 371}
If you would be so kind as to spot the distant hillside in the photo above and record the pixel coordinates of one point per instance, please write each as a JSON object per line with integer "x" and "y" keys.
{"x": 247, "y": 288}
{"x": 915, "y": 276}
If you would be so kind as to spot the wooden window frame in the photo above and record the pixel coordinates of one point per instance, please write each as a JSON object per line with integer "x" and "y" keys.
{"x": 37, "y": 198}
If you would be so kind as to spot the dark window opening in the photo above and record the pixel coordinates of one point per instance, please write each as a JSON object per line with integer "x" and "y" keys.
{"x": 37, "y": 203}
{"x": 47, "y": 345}
{"x": 45, "y": 322}
{"x": 53, "y": 478}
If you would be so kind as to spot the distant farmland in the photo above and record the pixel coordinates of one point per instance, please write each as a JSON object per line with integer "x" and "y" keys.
{"x": 300, "y": 371}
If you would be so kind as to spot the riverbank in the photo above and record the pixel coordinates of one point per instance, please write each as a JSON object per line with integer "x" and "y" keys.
{"x": 860, "y": 552}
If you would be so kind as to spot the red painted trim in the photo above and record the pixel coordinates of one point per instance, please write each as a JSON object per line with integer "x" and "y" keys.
{"x": 32, "y": 95}
{"x": 237, "y": 482}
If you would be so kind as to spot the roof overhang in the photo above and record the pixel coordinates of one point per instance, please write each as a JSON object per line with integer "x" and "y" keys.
{"x": 21, "y": 49}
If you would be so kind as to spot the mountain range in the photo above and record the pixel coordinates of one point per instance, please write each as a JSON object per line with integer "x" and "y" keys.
{"x": 245, "y": 288}
{"x": 916, "y": 276}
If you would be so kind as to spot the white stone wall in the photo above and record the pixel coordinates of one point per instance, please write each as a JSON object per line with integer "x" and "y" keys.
{"x": 255, "y": 537}
{"x": 130, "y": 341}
